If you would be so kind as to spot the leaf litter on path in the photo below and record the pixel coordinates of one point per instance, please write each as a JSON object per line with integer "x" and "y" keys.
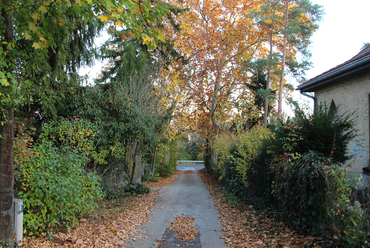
{"x": 115, "y": 222}
{"x": 185, "y": 227}
{"x": 243, "y": 226}
{"x": 112, "y": 224}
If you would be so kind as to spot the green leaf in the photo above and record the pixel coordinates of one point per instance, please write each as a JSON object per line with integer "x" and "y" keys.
{"x": 4, "y": 82}
{"x": 43, "y": 9}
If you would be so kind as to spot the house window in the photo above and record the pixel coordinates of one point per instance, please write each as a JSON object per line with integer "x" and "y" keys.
{"x": 333, "y": 110}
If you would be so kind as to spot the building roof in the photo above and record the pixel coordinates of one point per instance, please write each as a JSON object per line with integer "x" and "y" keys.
{"x": 357, "y": 65}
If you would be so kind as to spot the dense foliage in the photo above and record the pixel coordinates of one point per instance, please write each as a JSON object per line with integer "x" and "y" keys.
{"x": 52, "y": 181}
{"x": 294, "y": 172}
{"x": 321, "y": 132}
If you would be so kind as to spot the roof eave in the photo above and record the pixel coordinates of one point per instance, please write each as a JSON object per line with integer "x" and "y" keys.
{"x": 335, "y": 76}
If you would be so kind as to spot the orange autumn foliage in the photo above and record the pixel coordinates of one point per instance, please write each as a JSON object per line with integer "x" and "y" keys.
{"x": 216, "y": 37}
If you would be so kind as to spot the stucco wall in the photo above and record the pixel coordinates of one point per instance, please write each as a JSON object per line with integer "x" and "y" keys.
{"x": 350, "y": 96}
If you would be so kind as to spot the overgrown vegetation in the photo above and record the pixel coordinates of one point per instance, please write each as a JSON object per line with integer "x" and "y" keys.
{"x": 51, "y": 179}
{"x": 295, "y": 172}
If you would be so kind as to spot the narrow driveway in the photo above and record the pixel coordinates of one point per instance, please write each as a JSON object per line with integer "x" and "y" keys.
{"x": 190, "y": 167}
{"x": 187, "y": 196}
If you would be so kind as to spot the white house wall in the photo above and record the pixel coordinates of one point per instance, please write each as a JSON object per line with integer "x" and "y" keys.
{"x": 350, "y": 96}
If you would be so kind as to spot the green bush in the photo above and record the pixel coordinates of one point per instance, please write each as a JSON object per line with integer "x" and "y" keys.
{"x": 248, "y": 151}
{"x": 55, "y": 188}
{"x": 149, "y": 178}
{"x": 300, "y": 186}
{"x": 120, "y": 191}
{"x": 295, "y": 170}
{"x": 79, "y": 134}
{"x": 167, "y": 159}
{"x": 314, "y": 197}
{"x": 319, "y": 132}
{"x": 240, "y": 168}
{"x": 313, "y": 192}
{"x": 136, "y": 188}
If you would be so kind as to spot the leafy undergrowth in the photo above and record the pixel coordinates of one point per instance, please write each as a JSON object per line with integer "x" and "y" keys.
{"x": 112, "y": 224}
{"x": 245, "y": 227}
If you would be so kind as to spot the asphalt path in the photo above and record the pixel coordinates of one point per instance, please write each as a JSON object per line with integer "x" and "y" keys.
{"x": 187, "y": 196}
{"x": 190, "y": 166}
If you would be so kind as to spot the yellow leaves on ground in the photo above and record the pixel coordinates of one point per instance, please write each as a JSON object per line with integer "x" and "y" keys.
{"x": 112, "y": 225}
{"x": 164, "y": 181}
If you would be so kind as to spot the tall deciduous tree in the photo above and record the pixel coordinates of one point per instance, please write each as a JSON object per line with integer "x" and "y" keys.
{"x": 215, "y": 37}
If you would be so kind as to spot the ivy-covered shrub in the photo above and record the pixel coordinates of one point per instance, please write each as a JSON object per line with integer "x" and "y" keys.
{"x": 55, "y": 188}
{"x": 121, "y": 191}
{"x": 314, "y": 196}
{"x": 113, "y": 180}
{"x": 224, "y": 147}
{"x": 301, "y": 187}
{"x": 294, "y": 169}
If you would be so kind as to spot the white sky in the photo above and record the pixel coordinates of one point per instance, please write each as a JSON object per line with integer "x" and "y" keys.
{"x": 343, "y": 31}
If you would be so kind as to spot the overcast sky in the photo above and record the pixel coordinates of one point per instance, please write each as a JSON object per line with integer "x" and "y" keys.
{"x": 343, "y": 31}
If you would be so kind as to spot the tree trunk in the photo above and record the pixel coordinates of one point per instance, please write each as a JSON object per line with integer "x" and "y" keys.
{"x": 208, "y": 156}
{"x": 214, "y": 104}
{"x": 166, "y": 158}
{"x": 281, "y": 84}
{"x": 269, "y": 71}
{"x": 6, "y": 157}
{"x": 152, "y": 167}
{"x": 134, "y": 162}
{"x": 6, "y": 180}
